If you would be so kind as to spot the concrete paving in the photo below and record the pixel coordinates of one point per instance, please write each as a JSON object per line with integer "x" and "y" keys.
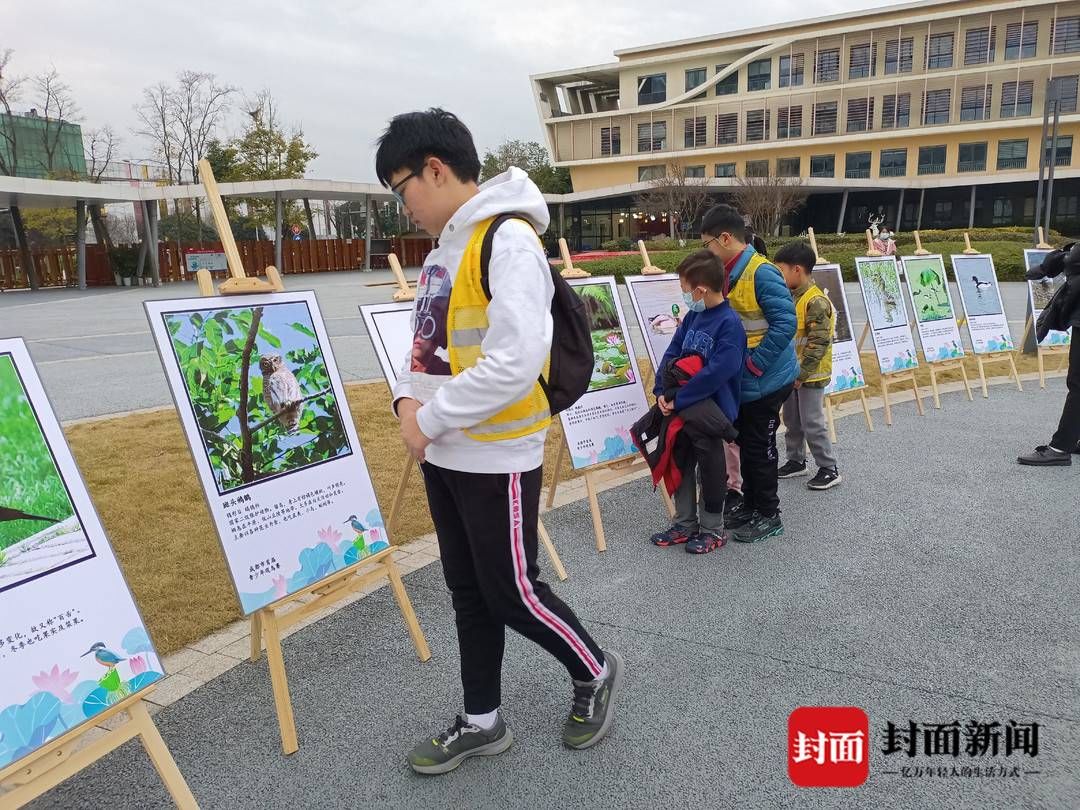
{"x": 938, "y": 583}
{"x": 94, "y": 352}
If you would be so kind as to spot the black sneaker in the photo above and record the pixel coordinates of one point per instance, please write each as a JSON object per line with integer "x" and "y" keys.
{"x": 793, "y": 469}
{"x": 593, "y": 711}
{"x": 459, "y": 742}
{"x": 826, "y": 478}
{"x": 674, "y": 536}
{"x": 1045, "y": 456}
{"x": 759, "y": 528}
{"x": 739, "y": 517}
{"x": 732, "y": 501}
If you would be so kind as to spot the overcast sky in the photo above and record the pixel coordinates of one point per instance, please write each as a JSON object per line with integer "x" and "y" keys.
{"x": 341, "y": 69}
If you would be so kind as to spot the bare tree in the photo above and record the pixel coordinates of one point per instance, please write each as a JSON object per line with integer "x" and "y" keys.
{"x": 676, "y": 194}
{"x": 9, "y": 93}
{"x": 56, "y": 104}
{"x": 101, "y": 145}
{"x": 200, "y": 104}
{"x": 157, "y": 116}
{"x": 767, "y": 199}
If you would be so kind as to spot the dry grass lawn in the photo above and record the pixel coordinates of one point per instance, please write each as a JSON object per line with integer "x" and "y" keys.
{"x": 141, "y": 476}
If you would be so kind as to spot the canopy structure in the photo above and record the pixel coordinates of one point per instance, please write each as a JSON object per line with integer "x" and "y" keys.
{"x": 33, "y": 193}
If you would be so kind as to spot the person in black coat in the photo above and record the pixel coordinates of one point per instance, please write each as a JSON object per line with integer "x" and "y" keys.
{"x": 1062, "y": 312}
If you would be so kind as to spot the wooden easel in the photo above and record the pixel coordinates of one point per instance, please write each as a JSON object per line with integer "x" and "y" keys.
{"x": 569, "y": 271}
{"x": 267, "y": 623}
{"x": 894, "y": 378}
{"x": 594, "y": 477}
{"x": 404, "y": 292}
{"x": 51, "y": 764}
{"x": 919, "y": 249}
{"x": 648, "y": 269}
{"x": 1042, "y": 352}
{"x": 829, "y": 397}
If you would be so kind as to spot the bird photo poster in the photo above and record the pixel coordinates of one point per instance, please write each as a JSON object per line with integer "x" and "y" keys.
{"x": 932, "y": 304}
{"x": 72, "y": 642}
{"x": 980, "y": 297}
{"x": 264, "y": 411}
{"x": 879, "y": 279}
{"x": 1039, "y": 294}
{"x": 847, "y": 370}
{"x": 659, "y": 309}
{"x": 390, "y": 327}
{"x": 597, "y": 426}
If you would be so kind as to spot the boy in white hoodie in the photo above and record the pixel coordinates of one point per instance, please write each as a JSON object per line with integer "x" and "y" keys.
{"x": 474, "y": 413}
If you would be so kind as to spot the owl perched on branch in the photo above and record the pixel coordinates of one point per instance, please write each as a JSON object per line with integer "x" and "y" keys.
{"x": 281, "y": 391}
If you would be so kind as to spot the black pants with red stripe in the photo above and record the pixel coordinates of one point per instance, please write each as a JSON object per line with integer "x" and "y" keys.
{"x": 486, "y": 524}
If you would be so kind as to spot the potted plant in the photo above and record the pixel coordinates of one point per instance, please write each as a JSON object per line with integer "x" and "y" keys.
{"x": 125, "y": 262}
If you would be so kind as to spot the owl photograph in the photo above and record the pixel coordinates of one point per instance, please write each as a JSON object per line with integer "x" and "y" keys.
{"x": 262, "y": 367}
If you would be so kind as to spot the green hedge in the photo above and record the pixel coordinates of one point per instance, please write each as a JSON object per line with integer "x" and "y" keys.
{"x": 1008, "y": 256}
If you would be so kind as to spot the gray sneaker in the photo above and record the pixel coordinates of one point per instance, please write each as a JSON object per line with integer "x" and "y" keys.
{"x": 593, "y": 711}
{"x": 459, "y": 742}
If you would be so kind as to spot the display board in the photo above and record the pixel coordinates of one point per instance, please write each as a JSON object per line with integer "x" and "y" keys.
{"x": 980, "y": 297}
{"x": 847, "y": 370}
{"x": 932, "y": 306}
{"x": 391, "y": 331}
{"x": 1039, "y": 295}
{"x": 659, "y": 308}
{"x": 879, "y": 279}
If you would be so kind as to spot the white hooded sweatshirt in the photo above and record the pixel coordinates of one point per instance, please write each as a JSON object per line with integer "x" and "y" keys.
{"x": 515, "y": 348}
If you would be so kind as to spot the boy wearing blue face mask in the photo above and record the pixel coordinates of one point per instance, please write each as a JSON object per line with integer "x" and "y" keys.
{"x": 714, "y": 331}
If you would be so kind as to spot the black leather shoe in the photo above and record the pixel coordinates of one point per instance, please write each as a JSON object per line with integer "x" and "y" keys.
{"x": 1045, "y": 456}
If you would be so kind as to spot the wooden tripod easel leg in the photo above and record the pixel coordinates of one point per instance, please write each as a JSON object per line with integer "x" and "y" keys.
{"x": 829, "y": 416}
{"x": 279, "y": 681}
{"x": 982, "y": 377}
{"x": 594, "y": 507}
{"x": 967, "y": 383}
{"x": 866, "y": 410}
{"x": 553, "y": 555}
{"x": 918, "y": 394}
{"x": 668, "y": 502}
{"x": 163, "y": 761}
{"x": 885, "y": 399}
{"x": 256, "y": 635}
{"x": 405, "y": 606}
{"x": 934, "y": 388}
{"x": 1015, "y": 373}
{"x": 1042, "y": 369}
{"x": 399, "y": 494}
{"x": 555, "y": 474}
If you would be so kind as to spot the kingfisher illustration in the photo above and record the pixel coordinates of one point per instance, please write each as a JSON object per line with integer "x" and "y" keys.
{"x": 354, "y": 521}
{"x": 6, "y": 513}
{"x": 103, "y": 655}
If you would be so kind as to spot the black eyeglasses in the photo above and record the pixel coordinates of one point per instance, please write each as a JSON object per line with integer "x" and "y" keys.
{"x": 395, "y": 189}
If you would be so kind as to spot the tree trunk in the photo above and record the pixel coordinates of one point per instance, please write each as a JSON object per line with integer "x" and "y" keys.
{"x": 24, "y": 247}
{"x": 310, "y": 219}
{"x": 101, "y": 230}
{"x": 198, "y": 218}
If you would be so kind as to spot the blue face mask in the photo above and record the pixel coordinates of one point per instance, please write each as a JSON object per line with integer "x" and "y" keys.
{"x": 691, "y": 304}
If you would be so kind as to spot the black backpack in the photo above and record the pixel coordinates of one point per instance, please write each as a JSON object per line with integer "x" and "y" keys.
{"x": 571, "y": 364}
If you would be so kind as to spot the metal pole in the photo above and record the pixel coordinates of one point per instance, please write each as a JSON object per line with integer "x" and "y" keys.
{"x": 277, "y": 232}
{"x": 367, "y": 233}
{"x": 80, "y": 242}
{"x": 1042, "y": 161}
{"x": 900, "y": 210}
{"x": 971, "y": 210}
{"x": 843, "y": 210}
{"x": 918, "y": 219}
{"x": 1050, "y": 170}
{"x": 155, "y": 255}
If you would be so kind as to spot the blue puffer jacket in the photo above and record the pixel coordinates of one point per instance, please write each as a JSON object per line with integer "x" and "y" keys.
{"x": 772, "y": 364}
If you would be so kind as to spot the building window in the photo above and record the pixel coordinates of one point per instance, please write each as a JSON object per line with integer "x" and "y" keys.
{"x": 1012, "y": 154}
{"x": 757, "y": 125}
{"x": 979, "y": 46}
{"x": 757, "y": 168}
{"x": 939, "y": 51}
{"x": 936, "y": 105}
{"x": 825, "y": 118}
{"x": 858, "y": 165}
{"x": 943, "y": 213}
{"x": 1021, "y": 40}
{"x": 931, "y": 160}
{"x": 729, "y": 85}
{"x": 694, "y": 132}
{"x": 860, "y": 114}
{"x": 972, "y": 157}
{"x": 862, "y": 61}
{"x": 724, "y": 169}
{"x": 789, "y": 122}
{"x": 1063, "y": 88}
{"x": 610, "y": 141}
{"x": 788, "y": 167}
{"x": 823, "y": 166}
{"x": 1064, "y": 151}
{"x": 792, "y": 69}
{"x": 759, "y": 75}
{"x": 1016, "y": 99}
{"x": 652, "y": 89}
{"x": 1065, "y": 35}
{"x": 975, "y": 103}
{"x": 1003, "y": 211}
{"x": 694, "y": 171}
{"x": 727, "y": 128}
{"x": 652, "y": 137}
{"x": 827, "y": 66}
{"x": 648, "y": 173}
{"x": 893, "y": 163}
{"x": 695, "y": 77}
{"x": 896, "y": 111}
{"x": 899, "y": 55}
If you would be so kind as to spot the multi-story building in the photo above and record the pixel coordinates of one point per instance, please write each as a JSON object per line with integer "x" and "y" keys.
{"x": 928, "y": 113}
{"x": 45, "y": 147}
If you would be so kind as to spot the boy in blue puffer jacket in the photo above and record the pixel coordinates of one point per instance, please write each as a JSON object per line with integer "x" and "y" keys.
{"x": 759, "y": 294}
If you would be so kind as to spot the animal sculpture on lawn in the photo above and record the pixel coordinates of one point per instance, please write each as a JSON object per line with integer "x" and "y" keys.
{"x": 281, "y": 391}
